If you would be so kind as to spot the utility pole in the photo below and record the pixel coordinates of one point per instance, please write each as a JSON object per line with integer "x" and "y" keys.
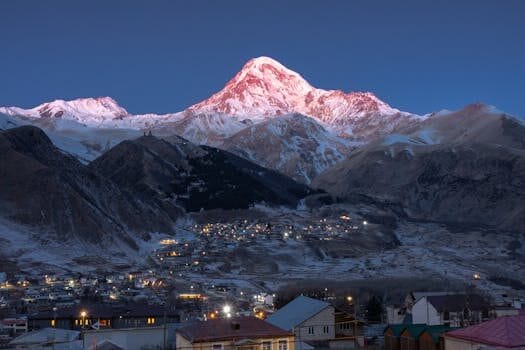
{"x": 164, "y": 335}
{"x": 54, "y": 326}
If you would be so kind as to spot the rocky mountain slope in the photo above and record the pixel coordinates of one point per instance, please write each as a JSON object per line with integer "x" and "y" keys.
{"x": 195, "y": 176}
{"x": 272, "y": 116}
{"x": 81, "y": 141}
{"x": 262, "y": 91}
{"x": 294, "y": 144}
{"x": 44, "y": 188}
{"x": 466, "y": 168}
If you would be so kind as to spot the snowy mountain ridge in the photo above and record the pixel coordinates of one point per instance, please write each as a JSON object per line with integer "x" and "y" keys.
{"x": 262, "y": 89}
{"x": 94, "y": 112}
{"x": 265, "y": 88}
{"x": 266, "y": 113}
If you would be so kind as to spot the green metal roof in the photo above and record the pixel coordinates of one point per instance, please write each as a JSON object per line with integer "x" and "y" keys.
{"x": 415, "y": 330}
{"x": 397, "y": 329}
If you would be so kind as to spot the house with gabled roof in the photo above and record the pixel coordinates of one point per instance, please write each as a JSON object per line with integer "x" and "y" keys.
{"x": 432, "y": 338}
{"x": 453, "y": 310}
{"x": 238, "y": 333}
{"x": 414, "y": 337}
{"x": 48, "y": 337}
{"x": 409, "y": 338}
{"x": 503, "y": 333}
{"x": 391, "y": 336}
{"x": 307, "y": 318}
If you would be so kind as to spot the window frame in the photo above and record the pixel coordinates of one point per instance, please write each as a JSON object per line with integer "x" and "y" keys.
{"x": 281, "y": 342}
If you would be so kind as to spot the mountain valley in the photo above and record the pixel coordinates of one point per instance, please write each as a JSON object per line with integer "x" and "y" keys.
{"x": 267, "y": 148}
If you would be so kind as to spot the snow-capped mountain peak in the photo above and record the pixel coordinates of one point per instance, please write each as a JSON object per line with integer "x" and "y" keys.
{"x": 272, "y": 75}
{"x": 84, "y": 110}
{"x": 261, "y": 90}
{"x": 265, "y": 88}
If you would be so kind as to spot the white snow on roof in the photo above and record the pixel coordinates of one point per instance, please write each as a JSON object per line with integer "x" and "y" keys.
{"x": 46, "y": 335}
{"x": 296, "y": 312}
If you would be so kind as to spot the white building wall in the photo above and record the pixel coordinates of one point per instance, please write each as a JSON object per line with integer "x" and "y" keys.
{"x": 458, "y": 344}
{"x": 424, "y": 312}
{"x": 321, "y": 324}
{"x": 184, "y": 344}
{"x": 393, "y": 316}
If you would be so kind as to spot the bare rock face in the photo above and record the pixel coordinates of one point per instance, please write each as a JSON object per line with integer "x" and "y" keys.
{"x": 44, "y": 188}
{"x": 471, "y": 171}
{"x": 294, "y": 145}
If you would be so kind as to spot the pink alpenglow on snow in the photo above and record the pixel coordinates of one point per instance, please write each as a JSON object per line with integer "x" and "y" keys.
{"x": 266, "y": 88}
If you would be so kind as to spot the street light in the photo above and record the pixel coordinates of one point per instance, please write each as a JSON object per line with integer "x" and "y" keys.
{"x": 83, "y": 314}
{"x": 349, "y": 299}
{"x": 227, "y": 309}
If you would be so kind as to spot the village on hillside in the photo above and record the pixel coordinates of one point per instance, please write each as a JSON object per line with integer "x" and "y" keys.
{"x": 205, "y": 289}
{"x": 136, "y": 310}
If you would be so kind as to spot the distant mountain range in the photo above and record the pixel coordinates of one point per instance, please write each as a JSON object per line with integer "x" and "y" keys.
{"x": 463, "y": 167}
{"x": 138, "y": 187}
{"x": 263, "y": 92}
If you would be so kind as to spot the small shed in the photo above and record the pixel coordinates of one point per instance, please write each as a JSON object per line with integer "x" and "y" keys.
{"x": 392, "y": 334}
{"x": 409, "y": 339}
{"x": 431, "y": 338}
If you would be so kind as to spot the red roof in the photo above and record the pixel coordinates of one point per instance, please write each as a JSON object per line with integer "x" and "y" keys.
{"x": 508, "y": 331}
{"x": 13, "y": 321}
{"x": 231, "y": 329}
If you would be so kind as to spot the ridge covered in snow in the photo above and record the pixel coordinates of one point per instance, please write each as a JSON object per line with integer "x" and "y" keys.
{"x": 97, "y": 109}
{"x": 97, "y": 112}
{"x": 265, "y": 88}
{"x": 262, "y": 89}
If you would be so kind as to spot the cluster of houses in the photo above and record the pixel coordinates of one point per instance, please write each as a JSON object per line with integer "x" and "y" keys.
{"x": 302, "y": 324}
{"x": 209, "y": 243}
{"x": 455, "y": 321}
{"x": 244, "y": 230}
{"x": 502, "y": 333}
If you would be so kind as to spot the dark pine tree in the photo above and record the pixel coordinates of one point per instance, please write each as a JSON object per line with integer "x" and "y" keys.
{"x": 374, "y": 309}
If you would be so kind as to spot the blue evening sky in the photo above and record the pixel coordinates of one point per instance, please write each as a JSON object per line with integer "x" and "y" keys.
{"x": 162, "y": 56}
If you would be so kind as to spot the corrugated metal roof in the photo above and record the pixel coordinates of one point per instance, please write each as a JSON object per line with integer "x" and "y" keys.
{"x": 106, "y": 344}
{"x": 508, "y": 331}
{"x": 418, "y": 329}
{"x": 396, "y": 329}
{"x": 296, "y": 312}
{"x": 415, "y": 330}
{"x": 457, "y": 302}
{"x": 46, "y": 335}
{"x": 226, "y": 329}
